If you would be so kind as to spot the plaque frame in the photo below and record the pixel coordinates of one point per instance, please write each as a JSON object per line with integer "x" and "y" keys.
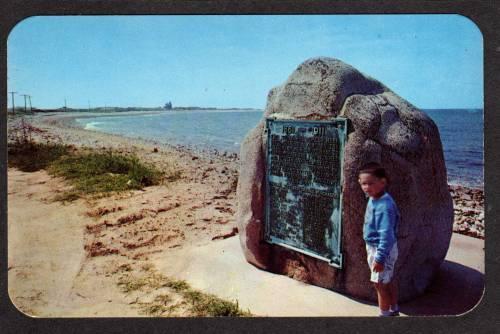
{"x": 341, "y": 126}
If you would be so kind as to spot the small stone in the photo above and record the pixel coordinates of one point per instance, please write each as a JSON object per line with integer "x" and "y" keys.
{"x": 467, "y": 197}
{"x": 469, "y": 213}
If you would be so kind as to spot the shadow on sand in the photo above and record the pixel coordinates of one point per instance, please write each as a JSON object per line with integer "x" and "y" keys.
{"x": 455, "y": 290}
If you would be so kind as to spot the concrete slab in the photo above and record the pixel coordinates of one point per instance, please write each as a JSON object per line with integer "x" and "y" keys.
{"x": 221, "y": 269}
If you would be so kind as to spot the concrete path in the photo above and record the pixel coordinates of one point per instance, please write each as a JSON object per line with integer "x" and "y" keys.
{"x": 221, "y": 269}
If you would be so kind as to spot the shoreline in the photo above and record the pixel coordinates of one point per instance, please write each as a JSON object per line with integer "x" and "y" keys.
{"x": 63, "y": 120}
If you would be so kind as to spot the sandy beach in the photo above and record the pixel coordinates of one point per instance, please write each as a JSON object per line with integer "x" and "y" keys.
{"x": 66, "y": 259}
{"x": 74, "y": 259}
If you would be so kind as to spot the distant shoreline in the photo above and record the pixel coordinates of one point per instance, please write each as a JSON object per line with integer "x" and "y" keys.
{"x": 123, "y": 109}
{"x": 20, "y": 110}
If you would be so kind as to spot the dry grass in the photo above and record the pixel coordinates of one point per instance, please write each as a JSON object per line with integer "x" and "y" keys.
{"x": 180, "y": 300}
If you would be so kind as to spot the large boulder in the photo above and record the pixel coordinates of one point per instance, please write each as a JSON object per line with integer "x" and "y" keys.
{"x": 383, "y": 128}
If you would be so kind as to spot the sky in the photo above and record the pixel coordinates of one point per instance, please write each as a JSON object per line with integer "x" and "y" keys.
{"x": 432, "y": 61}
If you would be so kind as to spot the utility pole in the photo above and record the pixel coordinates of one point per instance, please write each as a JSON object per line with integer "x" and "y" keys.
{"x": 13, "y": 105}
{"x": 65, "y": 107}
{"x": 24, "y": 95}
{"x": 31, "y": 108}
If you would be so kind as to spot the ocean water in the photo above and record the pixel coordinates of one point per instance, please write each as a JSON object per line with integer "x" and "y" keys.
{"x": 461, "y": 132}
{"x": 198, "y": 129}
{"x": 462, "y": 136}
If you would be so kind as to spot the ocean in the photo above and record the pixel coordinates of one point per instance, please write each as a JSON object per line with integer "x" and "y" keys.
{"x": 461, "y": 132}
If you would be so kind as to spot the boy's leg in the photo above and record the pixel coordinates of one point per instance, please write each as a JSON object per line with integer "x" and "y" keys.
{"x": 387, "y": 293}
{"x": 384, "y": 296}
{"x": 393, "y": 287}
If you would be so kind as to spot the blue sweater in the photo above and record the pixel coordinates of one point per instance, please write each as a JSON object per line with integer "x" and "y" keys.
{"x": 381, "y": 223}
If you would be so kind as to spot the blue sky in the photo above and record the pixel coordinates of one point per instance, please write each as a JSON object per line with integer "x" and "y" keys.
{"x": 433, "y": 61}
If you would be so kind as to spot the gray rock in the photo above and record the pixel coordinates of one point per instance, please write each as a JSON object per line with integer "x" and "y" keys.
{"x": 385, "y": 128}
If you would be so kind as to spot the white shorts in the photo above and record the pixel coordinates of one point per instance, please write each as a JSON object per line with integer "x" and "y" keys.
{"x": 386, "y": 275}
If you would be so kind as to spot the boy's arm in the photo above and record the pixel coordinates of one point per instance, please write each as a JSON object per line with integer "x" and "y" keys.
{"x": 387, "y": 221}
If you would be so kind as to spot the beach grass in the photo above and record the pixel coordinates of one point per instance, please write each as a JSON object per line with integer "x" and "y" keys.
{"x": 192, "y": 301}
{"x": 105, "y": 172}
{"x": 32, "y": 156}
{"x": 88, "y": 172}
{"x": 203, "y": 305}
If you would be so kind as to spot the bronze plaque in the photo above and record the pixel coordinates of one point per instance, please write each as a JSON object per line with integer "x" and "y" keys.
{"x": 303, "y": 186}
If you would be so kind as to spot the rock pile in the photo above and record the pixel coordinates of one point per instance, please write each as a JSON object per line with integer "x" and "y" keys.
{"x": 469, "y": 211}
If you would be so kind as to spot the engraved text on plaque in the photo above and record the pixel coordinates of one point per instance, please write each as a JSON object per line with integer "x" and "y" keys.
{"x": 303, "y": 186}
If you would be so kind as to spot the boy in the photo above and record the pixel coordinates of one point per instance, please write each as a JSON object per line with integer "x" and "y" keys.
{"x": 379, "y": 233}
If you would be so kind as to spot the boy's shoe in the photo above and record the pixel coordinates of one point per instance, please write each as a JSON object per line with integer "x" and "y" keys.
{"x": 390, "y": 314}
{"x": 385, "y": 313}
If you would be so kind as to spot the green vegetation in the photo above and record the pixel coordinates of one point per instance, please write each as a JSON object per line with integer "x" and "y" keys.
{"x": 192, "y": 302}
{"x": 178, "y": 286}
{"x": 203, "y": 305}
{"x": 130, "y": 283}
{"x": 105, "y": 172}
{"x": 160, "y": 306}
{"x": 88, "y": 172}
{"x": 31, "y": 157}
